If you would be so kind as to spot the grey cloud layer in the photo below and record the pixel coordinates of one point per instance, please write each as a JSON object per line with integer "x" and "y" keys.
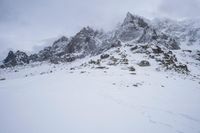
{"x": 181, "y": 8}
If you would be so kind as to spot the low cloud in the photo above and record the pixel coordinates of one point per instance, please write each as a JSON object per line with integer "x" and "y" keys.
{"x": 180, "y": 8}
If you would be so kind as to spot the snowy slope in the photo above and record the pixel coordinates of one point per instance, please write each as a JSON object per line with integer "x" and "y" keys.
{"x": 96, "y": 101}
{"x": 82, "y": 97}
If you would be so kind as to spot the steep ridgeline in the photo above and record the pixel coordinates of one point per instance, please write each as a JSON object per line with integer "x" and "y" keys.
{"x": 52, "y": 53}
{"x": 88, "y": 42}
{"x": 185, "y": 31}
{"x": 138, "y": 29}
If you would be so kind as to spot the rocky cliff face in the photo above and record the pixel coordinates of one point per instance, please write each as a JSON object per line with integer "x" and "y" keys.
{"x": 83, "y": 42}
{"x": 140, "y": 30}
{"x": 14, "y": 59}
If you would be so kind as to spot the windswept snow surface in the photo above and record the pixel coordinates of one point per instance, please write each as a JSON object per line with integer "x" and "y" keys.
{"x": 54, "y": 99}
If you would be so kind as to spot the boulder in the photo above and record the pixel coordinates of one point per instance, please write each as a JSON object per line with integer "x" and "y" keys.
{"x": 104, "y": 56}
{"x": 131, "y": 68}
{"x": 144, "y": 63}
{"x": 134, "y": 48}
{"x": 157, "y": 50}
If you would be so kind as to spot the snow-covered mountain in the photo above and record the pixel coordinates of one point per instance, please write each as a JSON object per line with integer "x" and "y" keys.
{"x": 88, "y": 41}
{"x": 162, "y": 40}
{"x": 187, "y": 32}
{"x": 143, "y": 73}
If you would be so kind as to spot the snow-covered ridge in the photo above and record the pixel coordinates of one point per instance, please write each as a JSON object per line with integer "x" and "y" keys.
{"x": 187, "y": 32}
{"x": 157, "y": 38}
{"x": 89, "y": 41}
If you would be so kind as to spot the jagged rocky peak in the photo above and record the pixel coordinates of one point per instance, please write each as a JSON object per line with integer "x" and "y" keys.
{"x": 134, "y": 20}
{"x": 14, "y": 59}
{"x": 86, "y": 32}
{"x": 60, "y": 45}
{"x": 132, "y": 28}
{"x": 140, "y": 30}
{"x": 61, "y": 40}
{"x": 83, "y": 42}
{"x": 56, "y": 50}
{"x": 10, "y": 58}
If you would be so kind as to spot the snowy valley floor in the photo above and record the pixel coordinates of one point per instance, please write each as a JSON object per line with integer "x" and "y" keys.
{"x": 98, "y": 101}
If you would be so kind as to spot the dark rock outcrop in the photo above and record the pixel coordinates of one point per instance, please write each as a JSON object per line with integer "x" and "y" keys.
{"x": 104, "y": 56}
{"x": 135, "y": 28}
{"x": 144, "y": 63}
{"x": 14, "y": 59}
{"x": 83, "y": 43}
{"x": 131, "y": 68}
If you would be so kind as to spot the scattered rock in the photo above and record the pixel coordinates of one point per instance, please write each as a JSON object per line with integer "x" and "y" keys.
{"x": 69, "y": 58}
{"x": 133, "y": 73}
{"x": 1, "y": 79}
{"x": 135, "y": 85}
{"x": 101, "y": 67}
{"x": 42, "y": 73}
{"x": 72, "y": 68}
{"x": 157, "y": 50}
{"x": 181, "y": 68}
{"x": 123, "y": 55}
{"x": 189, "y": 51}
{"x": 104, "y": 56}
{"x": 128, "y": 45}
{"x": 113, "y": 61}
{"x": 95, "y": 62}
{"x": 131, "y": 68}
{"x": 152, "y": 56}
{"x": 144, "y": 63}
{"x": 124, "y": 61}
{"x": 83, "y": 72}
{"x": 134, "y": 48}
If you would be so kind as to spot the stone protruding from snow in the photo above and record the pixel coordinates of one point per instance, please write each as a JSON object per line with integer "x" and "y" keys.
{"x": 131, "y": 29}
{"x": 144, "y": 63}
{"x": 134, "y": 20}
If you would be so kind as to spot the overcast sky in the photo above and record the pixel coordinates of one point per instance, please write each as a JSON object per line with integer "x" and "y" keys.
{"x": 25, "y": 24}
